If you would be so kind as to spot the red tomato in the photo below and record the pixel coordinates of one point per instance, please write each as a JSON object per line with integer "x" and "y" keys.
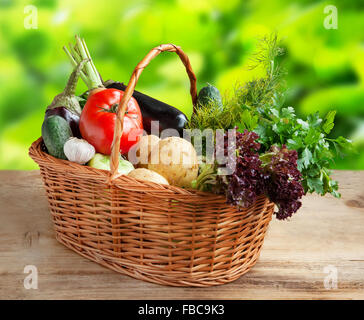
{"x": 97, "y": 121}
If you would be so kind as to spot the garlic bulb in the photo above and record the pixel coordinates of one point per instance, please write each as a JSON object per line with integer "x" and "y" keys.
{"x": 78, "y": 150}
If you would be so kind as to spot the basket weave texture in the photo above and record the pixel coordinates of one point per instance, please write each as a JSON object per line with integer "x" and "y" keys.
{"x": 158, "y": 233}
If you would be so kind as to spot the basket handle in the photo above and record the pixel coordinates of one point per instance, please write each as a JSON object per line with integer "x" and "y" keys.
{"x": 118, "y": 131}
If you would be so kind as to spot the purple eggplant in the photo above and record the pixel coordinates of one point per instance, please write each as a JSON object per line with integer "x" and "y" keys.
{"x": 152, "y": 109}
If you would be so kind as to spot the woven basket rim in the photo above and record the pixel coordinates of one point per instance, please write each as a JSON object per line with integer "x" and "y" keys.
{"x": 39, "y": 156}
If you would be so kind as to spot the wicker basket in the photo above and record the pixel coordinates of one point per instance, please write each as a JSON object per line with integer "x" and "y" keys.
{"x": 158, "y": 233}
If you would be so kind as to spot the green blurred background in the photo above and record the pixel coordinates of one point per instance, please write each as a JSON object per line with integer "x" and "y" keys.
{"x": 325, "y": 66}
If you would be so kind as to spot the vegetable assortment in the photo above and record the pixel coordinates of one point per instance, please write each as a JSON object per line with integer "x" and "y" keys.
{"x": 272, "y": 153}
{"x": 278, "y": 154}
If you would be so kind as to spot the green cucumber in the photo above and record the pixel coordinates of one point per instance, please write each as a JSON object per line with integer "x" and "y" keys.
{"x": 209, "y": 94}
{"x": 55, "y": 132}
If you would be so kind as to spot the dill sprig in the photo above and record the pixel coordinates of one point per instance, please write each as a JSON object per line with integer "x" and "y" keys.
{"x": 214, "y": 116}
{"x": 258, "y": 92}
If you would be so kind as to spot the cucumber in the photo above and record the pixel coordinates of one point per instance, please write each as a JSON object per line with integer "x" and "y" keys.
{"x": 55, "y": 132}
{"x": 209, "y": 94}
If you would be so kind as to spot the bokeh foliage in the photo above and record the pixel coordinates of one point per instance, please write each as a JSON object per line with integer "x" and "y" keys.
{"x": 325, "y": 68}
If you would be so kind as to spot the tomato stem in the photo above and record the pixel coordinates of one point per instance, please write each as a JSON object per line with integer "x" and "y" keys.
{"x": 113, "y": 108}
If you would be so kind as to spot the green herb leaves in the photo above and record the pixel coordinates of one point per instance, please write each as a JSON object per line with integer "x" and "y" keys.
{"x": 247, "y": 121}
{"x": 305, "y": 159}
{"x": 329, "y": 122}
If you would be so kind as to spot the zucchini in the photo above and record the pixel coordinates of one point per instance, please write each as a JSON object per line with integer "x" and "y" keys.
{"x": 55, "y": 132}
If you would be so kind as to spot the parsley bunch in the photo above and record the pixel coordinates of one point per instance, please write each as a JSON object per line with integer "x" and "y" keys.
{"x": 308, "y": 137}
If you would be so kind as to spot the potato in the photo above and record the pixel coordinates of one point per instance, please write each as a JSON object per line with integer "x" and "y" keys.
{"x": 147, "y": 175}
{"x": 176, "y": 160}
{"x": 139, "y": 153}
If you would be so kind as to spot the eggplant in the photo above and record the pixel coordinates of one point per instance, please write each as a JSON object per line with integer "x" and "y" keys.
{"x": 154, "y": 110}
{"x": 71, "y": 118}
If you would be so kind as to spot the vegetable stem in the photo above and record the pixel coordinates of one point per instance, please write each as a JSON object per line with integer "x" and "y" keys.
{"x": 72, "y": 81}
{"x": 74, "y": 63}
{"x": 78, "y": 53}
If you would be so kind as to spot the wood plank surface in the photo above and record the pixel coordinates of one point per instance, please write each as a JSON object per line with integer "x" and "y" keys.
{"x": 326, "y": 235}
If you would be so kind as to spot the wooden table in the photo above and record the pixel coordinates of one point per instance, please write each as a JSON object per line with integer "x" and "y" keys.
{"x": 325, "y": 238}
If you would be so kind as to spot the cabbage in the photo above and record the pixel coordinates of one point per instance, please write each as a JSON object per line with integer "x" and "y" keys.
{"x": 100, "y": 161}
